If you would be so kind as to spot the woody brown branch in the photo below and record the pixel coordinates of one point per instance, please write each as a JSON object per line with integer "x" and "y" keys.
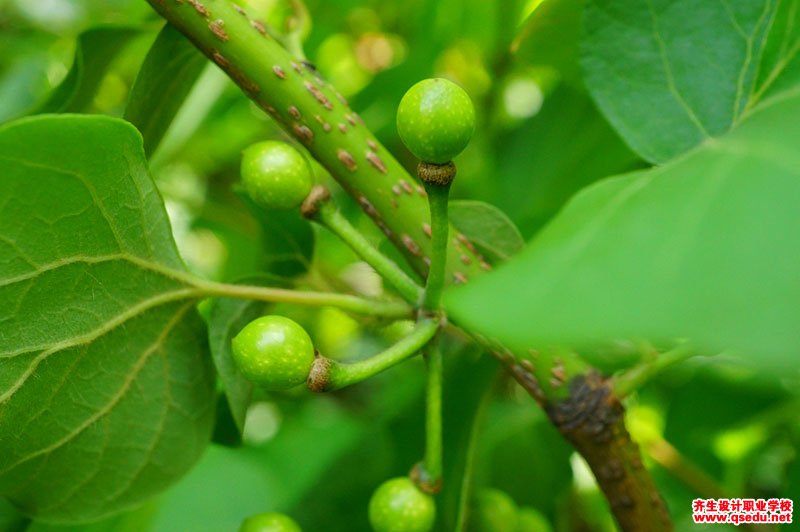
{"x": 592, "y": 419}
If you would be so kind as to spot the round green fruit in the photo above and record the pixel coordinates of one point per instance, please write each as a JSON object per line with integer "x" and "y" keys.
{"x": 531, "y": 520}
{"x": 398, "y": 505}
{"x": 436, "y": 120}
{"x": 495, "y": 511}
{"x": 275, "y": 175}
{"x": 274, "y": 352}
{"x": 269, "y": 522}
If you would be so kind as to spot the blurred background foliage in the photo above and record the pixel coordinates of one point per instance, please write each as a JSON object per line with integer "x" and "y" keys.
{"x": 706, "y": 430}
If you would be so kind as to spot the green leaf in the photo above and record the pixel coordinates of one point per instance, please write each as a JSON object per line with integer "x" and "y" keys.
{"x": 705, "y": 248}
{"x": 286, "y": 238}
{"x": 524, "y": 446}
{"x": 138, "y": 520}
{"x": 465, "y": 415}
{"x": 26, "y": 57}
{"x": 95, "y": 50}
{"x": 10, "y": 519}
{"x": 737, "y": 398}
{"x": 667, "y": 80}
{"x": 168, "y": 73}
{"x": 228, "y": 317}
{"x": 226, "y": 432}
{"x": 543, "y": 163}
{"x": 550, "y": 36}
{"x": 229, "y": 485}
{"x": 487, "y": 227}
{"x": 780, "y": 63}
{"x": 106, "y": 384}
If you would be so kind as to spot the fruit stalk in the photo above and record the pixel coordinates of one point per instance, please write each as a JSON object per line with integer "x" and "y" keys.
{"x": 320, "y": 208}
{"x": 433, "y": 418}
{"x": 328, "y": 375}
{"x": 438, "y": 196}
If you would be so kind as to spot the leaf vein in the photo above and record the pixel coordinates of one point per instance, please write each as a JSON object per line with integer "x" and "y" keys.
{"x": 87, "y": 185}
{"x": 104, "y": 328}
{"x": 786, "y": 55}
{"x": 130, "y": 378}
{"x": 145, "y": 264}
{"x": 672, "y": 86}
{"x": 157, "y": 435}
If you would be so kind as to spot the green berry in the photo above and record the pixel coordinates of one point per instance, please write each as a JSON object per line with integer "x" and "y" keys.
{"x": 436, "y": 120}
{"x": 274, "y": 352}
{"x": 269, "y": 522}
{"x": 531, "y": 520}
{"x": 495, "y": 511}
{"x": 275, "y": 175}
{"x": 398, "y": 505}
